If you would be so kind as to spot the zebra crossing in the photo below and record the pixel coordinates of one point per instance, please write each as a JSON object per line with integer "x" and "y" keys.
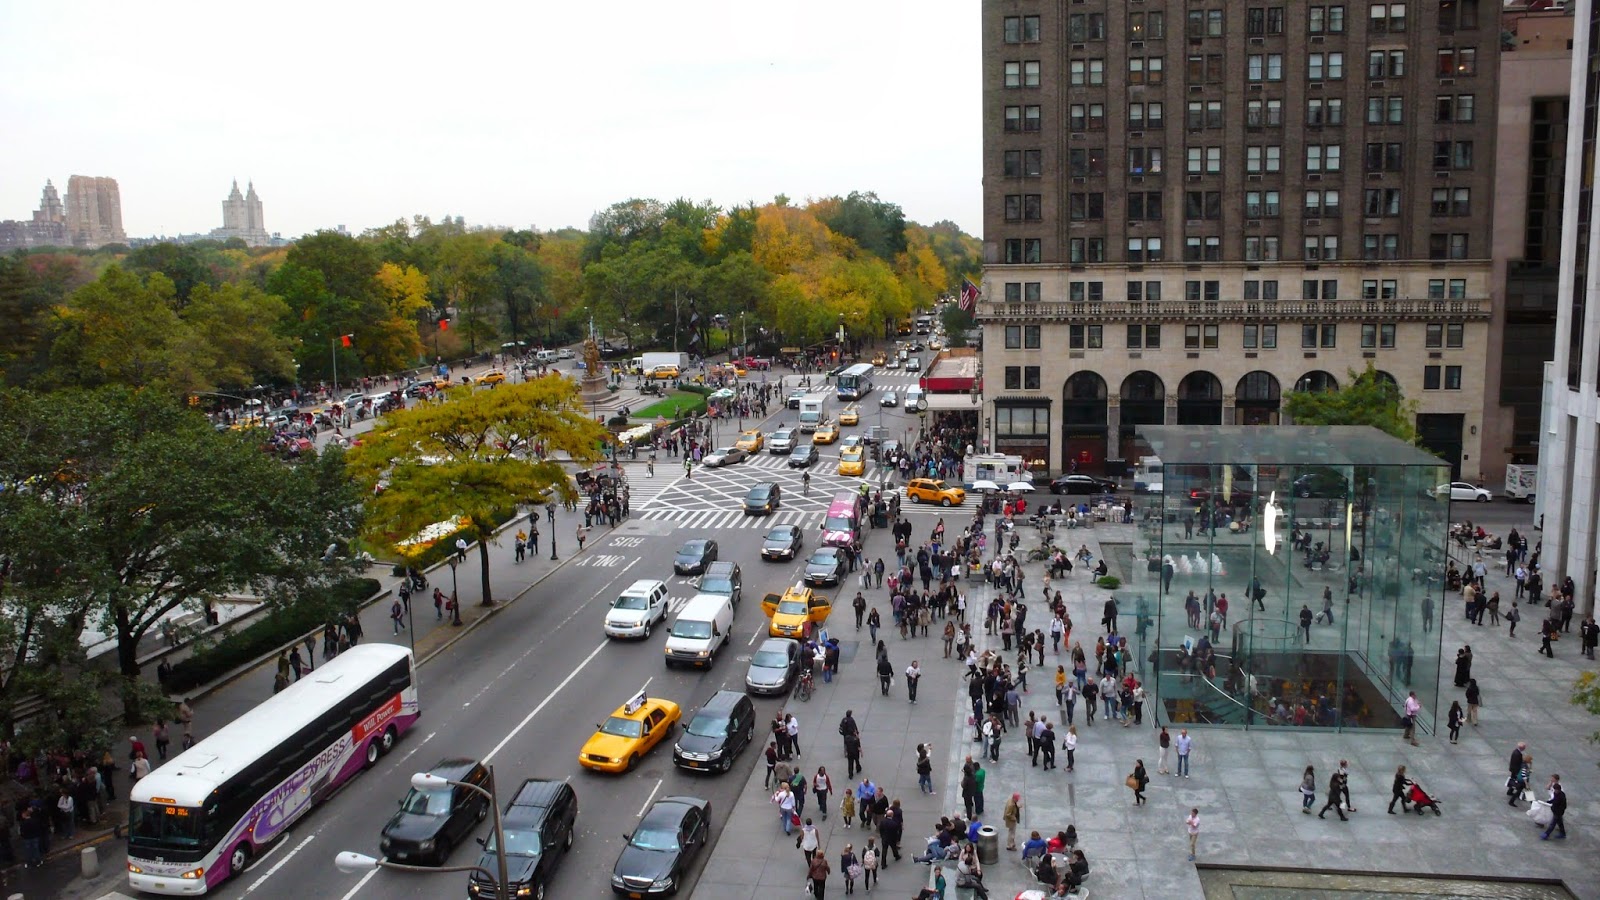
{"x": 716, "y": 519}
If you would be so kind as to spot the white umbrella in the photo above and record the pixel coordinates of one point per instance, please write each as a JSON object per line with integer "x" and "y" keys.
{"x": 985, "y": 485}
{"x": 1020, "y": 486}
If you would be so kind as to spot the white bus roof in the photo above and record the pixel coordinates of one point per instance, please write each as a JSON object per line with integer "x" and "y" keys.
{"x": 189, "y": 778}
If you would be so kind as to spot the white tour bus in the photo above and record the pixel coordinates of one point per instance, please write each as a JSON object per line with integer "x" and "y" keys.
{"x": 199, "y": 819}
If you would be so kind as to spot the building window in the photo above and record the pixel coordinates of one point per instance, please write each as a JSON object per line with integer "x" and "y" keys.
{"x": 1385, "y": 110}
{"x": 1013, "y": 164}
{"x": 1380, "y": 246}
{"x": 1455, "y": 335}
{"x": 1452, "y": 154}
{"x": 1430, "y": 378}
{"x": 1192, "y": 291}
{"x": 1385, "y": 157}
{"x": 1386, "y": 64}
{"x": 1202, "y": 249}
{"x": 1386, "y": 336}
{"x": 1264, "y": 20}
{"x": 1031, "y": 292}
{"x": 1021, "y": 29}
{"x": 1202, "y": 205}
{"x": 1381, "y": 202}
{"x": 1452, "y": 201}
{"x": 1447, "y": 246}
{"x": 1204, "y": 114}
{"x": 1191, "y": 337}
{"x": 1144, "y": 249}
{"x": 1080, "y": 337}
{"x": 1327, "y": 289}
{"x": 1205, "y": 23}
{"x": 1325, "y": 19}
{"x": 1387, "y": 18}
{"x": 1322, "y": 247}
{"x": 1147, "y": 26}
{"x": 1144, "y": 206}
{"x": 1261, "y": 204}
{"x": 1144, "y": 115}
{"x": 1013, "y": 337}
{"x": 1263, "y": 159}
{"x": 1264, "y": 67}
{"x": 1083, "y": 27}
{"x": 1433, "y": 336}
{"x": 1264, "y": 337}
{"x": 1144, "y": 337}
{"x": 1032, "y": 250}
{"x": 1261, "y": 290}
{"x": 1314, "y": 336}
{"x": 1264, "y": 113}
{"x": 1087, "y": 250}
{"x": 1030, "y": 378}
{"x": 1369, "y": 336}
{"x": 1204, "y": 68}
{"x": 1087, "y": 71}
{"x": 1324, "y": 66}
{"x": 1086, "y": 207}
{"x": 1458, "y": 14}
{"x": 1146, "y": 70}
{"x": 1452, "y": 378}
{"x": 1021, "y": 420}
{"x": 1013, "y": 378}
{"x": 1321, "y": 112}
{"x": 1455, "y": 108}
{"x": 1457, "y": 62}
{"x": 1013, "y": 118}
{"x": 1013, "y": 250}
{"x": 1147, "y": 290}
{"x": 1030, "y": 337}
{"x": 1322, "y": 203}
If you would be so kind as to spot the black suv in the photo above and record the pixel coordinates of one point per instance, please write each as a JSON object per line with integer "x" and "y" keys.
{"x": 431, "y": 823}
{"x": 538, "y": 825}
{"x": 716, "y": 733}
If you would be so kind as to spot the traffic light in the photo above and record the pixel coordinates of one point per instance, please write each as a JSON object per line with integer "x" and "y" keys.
{"x": 194, "y": 400}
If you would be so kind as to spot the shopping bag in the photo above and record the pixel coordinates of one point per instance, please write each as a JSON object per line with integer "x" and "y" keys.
{"x": 1540, "y": 813}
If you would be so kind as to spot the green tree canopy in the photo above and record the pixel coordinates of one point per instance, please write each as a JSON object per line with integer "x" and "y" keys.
{"x": 1367, "y": 398}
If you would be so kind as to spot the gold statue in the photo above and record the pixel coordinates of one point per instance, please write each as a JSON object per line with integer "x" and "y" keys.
{"x": 591, "y": 357}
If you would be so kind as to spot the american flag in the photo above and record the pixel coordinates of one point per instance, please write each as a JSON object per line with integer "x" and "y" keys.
{"x": 969, "y": 294}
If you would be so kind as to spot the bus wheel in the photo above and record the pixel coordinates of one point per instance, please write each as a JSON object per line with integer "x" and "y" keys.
{"x": 238, "y": 859}
{"x": 388, "y": 740}
{"x": 373, "y": 751}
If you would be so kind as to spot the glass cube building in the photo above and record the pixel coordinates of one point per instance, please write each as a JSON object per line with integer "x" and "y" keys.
{"x": 1287, "y": 576}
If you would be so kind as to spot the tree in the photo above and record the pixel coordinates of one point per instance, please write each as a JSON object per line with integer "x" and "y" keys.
{"x": 183, "y": 264}
{"x": 237, "y": 328}
{"x": 474, "y": 458}
{"x": 877, "y": 226}
{"x": 1367, "y": 399}
{"x": 158, "y": 511}
{"x": 1586, "y": 694}
{"x": 120, "y": 330}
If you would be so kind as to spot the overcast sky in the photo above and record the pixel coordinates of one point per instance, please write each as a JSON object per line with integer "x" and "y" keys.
{"x": 512, "y": 113}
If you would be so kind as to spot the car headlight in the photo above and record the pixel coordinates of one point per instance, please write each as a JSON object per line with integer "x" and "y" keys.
{"x": 135, "y": 869}
{"x": 193, "y": 874}
{"x": 386, "y": 843}
{"x": 662, "y": 884}
{"x": 524, "y": 891}
{"x": 425, "y": 846}
{"x": 714, "y": 754}
{"x": 704, "y": 653}
{"x": 616, "y": 879}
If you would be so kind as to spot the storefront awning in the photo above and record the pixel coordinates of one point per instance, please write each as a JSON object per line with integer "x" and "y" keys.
{"x": 951, "y": 402}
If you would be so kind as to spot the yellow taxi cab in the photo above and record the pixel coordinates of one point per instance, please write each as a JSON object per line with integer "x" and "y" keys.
{"x": 879, "y": 359}
{"x": 492, "y": 378}
{"x": 852, "y": 460}
{"x": 796, "y": 612}
{"x": 751, "y": 441}
{"x": 664, "y": 372}
{"x": 740, "y": 370}
{"x": 851, "y": 415}
{"x": 932, "y": 490}
{"x": 629, "y": 733}
{"x": 826, "y": 433}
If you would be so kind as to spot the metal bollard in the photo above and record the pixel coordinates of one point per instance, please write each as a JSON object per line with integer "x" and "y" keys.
{"x": 988, "y": 845}
{"x": 89, "y": 862}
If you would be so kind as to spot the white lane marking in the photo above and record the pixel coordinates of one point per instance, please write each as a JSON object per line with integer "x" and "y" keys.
{"x": 272, "y": 871}
{"x": 649, "y": 798}
{"x": 754, "y": 636}
{"x": 646, "y": 683}
{"x": 359, "y": 885}
{"x": 545, "y": 702}
{"x": 413, "y": 750}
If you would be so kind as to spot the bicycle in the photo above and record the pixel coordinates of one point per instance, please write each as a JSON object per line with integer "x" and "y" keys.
{"x": 805, "y": 482}
{"x": 802, "y": 690}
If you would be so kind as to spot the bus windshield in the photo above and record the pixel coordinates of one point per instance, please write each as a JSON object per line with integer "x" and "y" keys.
{"x": 158, "y": 827}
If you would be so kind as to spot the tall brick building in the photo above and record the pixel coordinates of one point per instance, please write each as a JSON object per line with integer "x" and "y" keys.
{"x": 1193, "y": 207}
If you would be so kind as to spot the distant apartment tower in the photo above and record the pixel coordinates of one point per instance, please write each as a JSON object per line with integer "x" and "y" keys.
{"x": 94, "y": 212}
{"x": 1194, "y": 207}
{"x": 48, "y": 228}
{"x": 241, "y": 218}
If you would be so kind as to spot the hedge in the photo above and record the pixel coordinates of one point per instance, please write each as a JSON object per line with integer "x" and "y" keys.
{"x": 1109, "y": 582}
{"x": 277, "y": 627}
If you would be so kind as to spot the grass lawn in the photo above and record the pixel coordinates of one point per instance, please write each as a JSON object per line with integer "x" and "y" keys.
{"x": 672, "y": 405}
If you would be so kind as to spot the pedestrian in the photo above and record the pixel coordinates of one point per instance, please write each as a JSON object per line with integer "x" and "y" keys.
{"x": 847, "y": 808}
{"x": 1184, "y": 745}
{"x": 1455, "y": 719}
{"x": 792, "y": 726}
{"x": 874, "y": 622}
{"x": 772, "y": 762}
{"x": 1413, "y": 707}
{"x": 1305, "y": 622}
{"x": 859, "y": 604}
{"x": 822, "y": 786}
{"x": 1011, "y": 816}
{"x": 1398, "y": 791}
{"x": 1588, "y": 638}
{"x": 1164, "y": 740}
{"x": 297, "y": 663}
{"x": 397, "y": 615}
{"x": 141, "y": 766}
{"x": 1308, "y": 790}
{"x": 885, "y": 674}
{"x": 1048, "y": 741}
{"x": 283, "y": 668}
{"x": 1137, "y": 781}
{"x": 67, "y": 816}
{"x": 162, "y": 741}
{"x": 1474, "y": 700}
{"x": 784, "y": 800}
{"x": 461, "y": 549}
{"x": 913, "y": 675}
{"x": 924, "y": 769}
{"x": 890, "y": 830}
{"x": 1335, "y": 792}
{"x": 849, "y": 867}
{"x": 1520, "y": 780}
{"x": 1070, "y": 744}
{"x": 1558, "y": 809}
{"x": 817, "y": 871}
{"x": 869, "y": 864}
{"x": 583, "y": 535}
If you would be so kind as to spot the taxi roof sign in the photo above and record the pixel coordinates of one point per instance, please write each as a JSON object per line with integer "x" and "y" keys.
{"x": 634, "y": 703}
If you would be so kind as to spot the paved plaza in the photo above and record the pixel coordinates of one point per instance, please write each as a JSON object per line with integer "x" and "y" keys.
{"x": 1243, "y": 782}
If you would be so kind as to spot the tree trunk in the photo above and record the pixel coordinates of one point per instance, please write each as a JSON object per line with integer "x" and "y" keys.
{"x": 128, "y": 668}
{"x": 483, "y": 557}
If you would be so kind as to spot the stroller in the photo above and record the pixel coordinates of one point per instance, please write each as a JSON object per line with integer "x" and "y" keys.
{"x": 1420, "y": 800}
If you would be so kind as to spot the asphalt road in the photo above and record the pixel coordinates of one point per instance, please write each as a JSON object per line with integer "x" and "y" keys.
{"x": 526, "y": 691}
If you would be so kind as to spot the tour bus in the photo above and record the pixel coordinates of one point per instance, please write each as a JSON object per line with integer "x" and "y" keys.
{"x": 855, "y": 382}
{"x": 199, "y": 819}
{"x": 841, "y": 527}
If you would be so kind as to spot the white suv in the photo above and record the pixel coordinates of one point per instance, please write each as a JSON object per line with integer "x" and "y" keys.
{"x": 639, "y": 606}
{"x": 780, "y": 442}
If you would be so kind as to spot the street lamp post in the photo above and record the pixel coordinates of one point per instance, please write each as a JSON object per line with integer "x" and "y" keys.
{"x": 455, "y": 596}
{"x": 349, "y": 861}
{"x": 922, "y": 418}
{"x": 550, "y": 510}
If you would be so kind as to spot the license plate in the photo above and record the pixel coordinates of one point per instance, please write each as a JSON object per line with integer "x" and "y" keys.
{"x": 400, "y": 855}
{"x": 636, "y": 896}
{"x": 692, "y": 764}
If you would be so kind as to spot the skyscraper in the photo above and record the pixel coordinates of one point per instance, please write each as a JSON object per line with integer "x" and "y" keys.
{"x": 93, "y": 211}
{"x": 1193, "y": 207}
{"x": 241, "y": 218}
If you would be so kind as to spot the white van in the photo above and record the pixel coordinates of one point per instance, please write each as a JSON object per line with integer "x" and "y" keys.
{"x": 700, "y": 630}
{"x": 547, "y": 356}
{"x": 912, "y": 395}
{"x": 639, "y": 606}
{"x": 1148, "y": 476}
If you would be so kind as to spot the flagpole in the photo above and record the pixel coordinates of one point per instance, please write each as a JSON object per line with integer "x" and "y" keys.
{"x": 333, "y": 351}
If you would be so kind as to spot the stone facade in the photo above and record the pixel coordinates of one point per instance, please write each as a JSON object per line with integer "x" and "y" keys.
{"x": 242, "y": 218}
{"x": 48, "y": 228}
{"x": 94, "y": 212}
{"x": 1226, "y": 176}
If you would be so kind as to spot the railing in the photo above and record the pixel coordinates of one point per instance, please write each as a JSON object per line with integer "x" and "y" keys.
{"x": 1268, "y": 310}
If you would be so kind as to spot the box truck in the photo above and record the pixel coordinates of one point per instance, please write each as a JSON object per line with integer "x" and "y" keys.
{"x": 1522, "y": 482}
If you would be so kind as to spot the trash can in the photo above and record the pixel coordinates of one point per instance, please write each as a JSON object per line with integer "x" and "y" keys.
{"x": 989, "y": 845}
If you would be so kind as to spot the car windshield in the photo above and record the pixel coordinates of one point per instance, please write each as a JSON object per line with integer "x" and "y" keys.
{"x": 935, "y": 486}
{"x": 770, "y": 659}
{"x": 760, "y": 492}
{"x": 725, "y": 451}
{"x": 823, "y": 558}
{"x": 518, "y": 843}
{"x": 691, "y": 630}
{"x": 708, "y": 726}
{"x": 655, "y": 839}
{"x": 792, "y": 607}
{"x": 837, "y": 523}
{"x": 617, "y": 725}
{"x": 426, "y": 803}
{"x": 630, "y": 601}
{"x": 780, "y": 535}
{"x": 716, "y": 586}
{"x": 780, "y": 435}
{"x": 692, "y": 549}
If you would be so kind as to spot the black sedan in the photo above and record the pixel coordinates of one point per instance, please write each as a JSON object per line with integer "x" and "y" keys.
{"x": 774, "y": 667}
{"x": 1082, "y": 484}
{"x": 782, "y": 542}
{"x": 671, "y": 832}
{"x": 430, "y": 823}
{"x": 803, "y": 456}
{"x": 694, "y": 556}
{"x": 763, "y": 499}
{"x": 826, "y": 566}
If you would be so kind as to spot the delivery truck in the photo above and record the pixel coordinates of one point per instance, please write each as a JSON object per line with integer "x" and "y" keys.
{"x": 1522, "y": 482}
{"x": 812, "y": 413}
{"x": 649, "y": 362}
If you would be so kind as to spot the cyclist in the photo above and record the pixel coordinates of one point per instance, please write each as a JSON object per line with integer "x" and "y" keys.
{"x": 805, "y": 481}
